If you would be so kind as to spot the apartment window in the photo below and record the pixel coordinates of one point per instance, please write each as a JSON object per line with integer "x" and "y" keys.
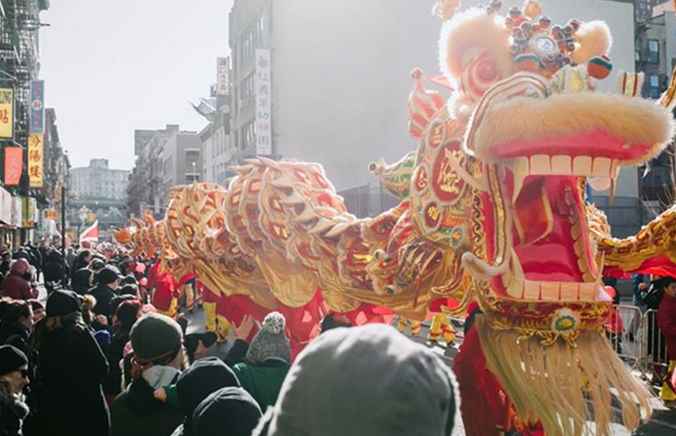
{"x": 260, "y": 30}
{"x": 248, "y": 135}
{"x": 654, "y": 86}
{"x": 248, "y": 46}
{"x": 653, "y": 53}
{"x": 246, "y": 90}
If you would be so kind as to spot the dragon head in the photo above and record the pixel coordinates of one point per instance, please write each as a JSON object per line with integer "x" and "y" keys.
{"x": 500, "y": 181}
{"x": 535, "y": 131}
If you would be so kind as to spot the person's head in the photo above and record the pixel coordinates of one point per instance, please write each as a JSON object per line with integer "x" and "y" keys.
{"x": 20, "y": 313}
{"x": 13, "y": 368}
{"x": 63, "y": 308}
{"x": 197, "y": 344}
{"x": 129, "y": 279}
{"x": 20, "y": 267}
{"x": 157, "y": 340}
{"x": 271, "y": 341}
{"x": 231, "y": 408}
{"x": 127, "y": 289}
{"x": 109, "y": 276}
{"x": 333, "y": 321}
{"x": 125, "y": 265}
{"x": 88, "y": 305}
{"x": 203, "y": 377}
{"x": 38, "y": 310}
{"x": 96, "y": 264}
{"x": 670, "y": 286}
{"x": 347, "y": 371}
{"x": 84, "y": 257}
{"x": 127, "y": 313}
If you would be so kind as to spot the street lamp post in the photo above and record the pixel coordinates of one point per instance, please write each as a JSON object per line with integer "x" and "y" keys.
{"x": 64, "y": 178}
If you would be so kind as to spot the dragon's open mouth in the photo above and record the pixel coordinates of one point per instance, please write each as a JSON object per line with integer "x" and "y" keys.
{"x": 552, "y": 255}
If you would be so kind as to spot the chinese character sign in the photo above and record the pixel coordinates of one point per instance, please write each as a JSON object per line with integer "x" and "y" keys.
{"x": 6, "y": 113}
{"x": 263, "y": 89}
{"x": 35, "y": 160}
{"x": 37, "y": 119}
{"x": 222, "y": 76}
{"x": 13, "y": 165}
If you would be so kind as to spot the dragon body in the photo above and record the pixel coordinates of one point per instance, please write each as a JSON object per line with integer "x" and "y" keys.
{"x": 492, "y": 211}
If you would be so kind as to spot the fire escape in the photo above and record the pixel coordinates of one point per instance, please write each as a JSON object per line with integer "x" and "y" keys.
{"x": 19, "y": 63}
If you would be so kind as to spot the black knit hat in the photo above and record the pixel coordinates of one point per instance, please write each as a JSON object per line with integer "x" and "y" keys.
{"x": 202, "y": 378}
{"x": 11, "y": 359}
{"x": 108, "y": 275}
{"x": 155, "y": 337}
{"x": 226, "y": 412}
{"x": 63, "y": 302}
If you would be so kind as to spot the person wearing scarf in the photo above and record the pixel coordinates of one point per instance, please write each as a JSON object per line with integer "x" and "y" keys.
{"x": 72, "y": 369}
{"x": 157, "y": 361}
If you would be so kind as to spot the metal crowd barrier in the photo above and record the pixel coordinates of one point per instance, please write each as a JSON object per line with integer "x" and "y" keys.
{"x": 624, "y": 330}
{"x": 654, "y": 348}
{"x": 638, "y": 341}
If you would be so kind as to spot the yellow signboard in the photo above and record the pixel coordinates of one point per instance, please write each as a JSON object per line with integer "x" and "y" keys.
{"x": 35, "y": 160}
{"x": 6, "y": 113}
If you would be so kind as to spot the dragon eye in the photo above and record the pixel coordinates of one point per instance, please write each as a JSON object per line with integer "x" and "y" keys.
{"x": 544, "y": 46}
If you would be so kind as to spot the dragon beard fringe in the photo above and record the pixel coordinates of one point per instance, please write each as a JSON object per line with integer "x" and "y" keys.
{"x": 564, "y": 387}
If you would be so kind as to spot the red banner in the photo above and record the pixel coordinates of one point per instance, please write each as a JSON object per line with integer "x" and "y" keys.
{"x": 13, "y": 165}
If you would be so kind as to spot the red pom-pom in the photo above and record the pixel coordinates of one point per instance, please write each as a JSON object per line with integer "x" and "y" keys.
{"x": 599, "y": 67}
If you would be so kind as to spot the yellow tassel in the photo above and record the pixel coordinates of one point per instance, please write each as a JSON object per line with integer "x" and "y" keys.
{"x": 558, "y": 384}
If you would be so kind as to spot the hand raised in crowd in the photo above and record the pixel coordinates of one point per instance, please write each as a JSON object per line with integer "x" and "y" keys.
{"x": 246, "y": 326}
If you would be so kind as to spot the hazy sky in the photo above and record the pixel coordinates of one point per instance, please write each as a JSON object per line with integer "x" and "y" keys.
{"x": 114, "y": 66}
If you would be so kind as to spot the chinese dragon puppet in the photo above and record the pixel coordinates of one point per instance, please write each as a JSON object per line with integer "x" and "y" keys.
{"x": 492, "y": 213}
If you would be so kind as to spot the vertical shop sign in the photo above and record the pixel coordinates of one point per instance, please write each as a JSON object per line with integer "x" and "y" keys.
{"x": 222, "y": 76}
{"x": 263, "y": 89}
{"x": 37, "y": 118}
{"x": 6, "y": 113}
{"x": 13, "y": 165}
{"x": 35, "y": 160}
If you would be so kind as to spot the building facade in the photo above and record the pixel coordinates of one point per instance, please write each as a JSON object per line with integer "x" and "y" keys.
{"x": 99, "y": 189}
{"x": 19, "y": 69}
{"x": 656, "y": 57}
{"x": 643, "y": 9}
{"x": 164, "y": 158}
{"x": 339, "y": 88}
{"x": 218, "y": 153}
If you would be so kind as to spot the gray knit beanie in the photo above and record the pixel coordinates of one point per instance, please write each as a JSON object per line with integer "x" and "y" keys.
{"x": 271, "y": 341}
{"x": 155, "y": 337}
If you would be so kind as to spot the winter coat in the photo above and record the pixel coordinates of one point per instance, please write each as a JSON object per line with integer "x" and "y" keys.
{"x": 12, "y": 413}
{"x": 115, "y": 352}
{"x": 137, "y": 413}
{"x": 54, "y": 270}
{"x": 81, "y": 280}
{"x": 18, "y": 288}
{"x": 104, "y": 299}
{"x": 263, "y": 381}
{"x": 4, "y": 267}
{"x": 72, "y": 368}
{"x": 19, "y": 336}
{"x": 666, "y": 320}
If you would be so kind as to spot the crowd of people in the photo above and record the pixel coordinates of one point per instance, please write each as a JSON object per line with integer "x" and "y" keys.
{"x": 102, "y": 350}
